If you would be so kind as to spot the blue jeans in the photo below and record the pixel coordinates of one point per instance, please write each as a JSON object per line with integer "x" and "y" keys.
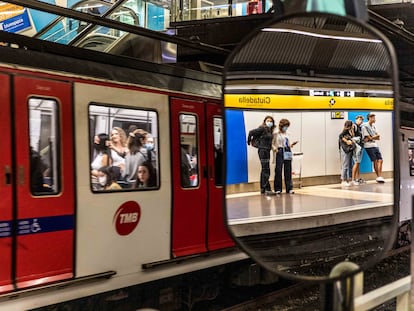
{"x": 346, "y": 169}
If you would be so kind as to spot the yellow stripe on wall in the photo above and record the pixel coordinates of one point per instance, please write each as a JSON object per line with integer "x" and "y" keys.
{"x": 301, "y": 102}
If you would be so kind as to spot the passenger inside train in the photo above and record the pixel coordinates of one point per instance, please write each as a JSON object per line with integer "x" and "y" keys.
{"x": 123, "y": 162}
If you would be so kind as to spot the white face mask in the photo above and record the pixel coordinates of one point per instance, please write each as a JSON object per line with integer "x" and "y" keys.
{"x": 102, "y": 180}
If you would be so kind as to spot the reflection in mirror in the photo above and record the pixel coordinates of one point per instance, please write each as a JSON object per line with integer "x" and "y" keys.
{"x": 309, "y": 145}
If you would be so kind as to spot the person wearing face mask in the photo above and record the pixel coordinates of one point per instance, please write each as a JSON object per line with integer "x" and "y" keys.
{"x": 264, "y": 135}
{"x": 106, "y": 179}
{"x": 149, "y": 145}
{"x": 282, "y": 145}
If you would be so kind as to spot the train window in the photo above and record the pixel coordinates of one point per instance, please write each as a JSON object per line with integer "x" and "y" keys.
{"x": 44, "y": 146}
{"x": 218, "y": 151}
{"x": 189, "y": 151}
{"x": 124, "y": 153}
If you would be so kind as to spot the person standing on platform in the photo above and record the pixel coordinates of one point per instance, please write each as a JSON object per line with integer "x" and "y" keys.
{"x": 264, "y": 135}
{"x": 282, "y": 145}
{"x": 358, "y": 151}
{"x": 370, "y": 135}
{"x": 346, "y": 150}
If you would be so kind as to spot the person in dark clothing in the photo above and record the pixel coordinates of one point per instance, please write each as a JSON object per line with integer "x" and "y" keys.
{"x": 185, "y": 167}
{"x": 264, "y": 133}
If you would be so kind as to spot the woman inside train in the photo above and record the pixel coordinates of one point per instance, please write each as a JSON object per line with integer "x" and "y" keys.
{"x": 282, "y": 145}
{"x": 107, "y": 179}
{"x": 346, "y": 148}
{"x": 102, "y": 154}
{"x": 264, "y": 134}
{"x": 149, "y": 145}
{"x": 146, "y": 176}
{"x": 118, "y": 145}
{"x": 136, "y": 156}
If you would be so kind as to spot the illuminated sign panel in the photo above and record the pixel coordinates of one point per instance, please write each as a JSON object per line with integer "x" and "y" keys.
{"x": 13, "y": 18}
{"x": 300, "y": 102}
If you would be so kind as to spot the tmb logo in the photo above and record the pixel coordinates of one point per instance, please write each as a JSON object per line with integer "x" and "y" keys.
{"x": 127, "y": 217}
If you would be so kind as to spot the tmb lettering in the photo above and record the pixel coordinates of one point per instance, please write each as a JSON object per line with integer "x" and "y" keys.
{"x": 129, "y": 217}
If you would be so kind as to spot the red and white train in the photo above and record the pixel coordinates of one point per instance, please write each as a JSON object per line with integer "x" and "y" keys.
{"x": 65, "y": 229}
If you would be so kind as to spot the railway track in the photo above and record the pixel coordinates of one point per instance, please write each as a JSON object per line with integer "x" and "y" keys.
{"x": 271, "y": 301}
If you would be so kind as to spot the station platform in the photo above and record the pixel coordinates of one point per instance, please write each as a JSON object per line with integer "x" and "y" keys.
{"x": 252, "y": 213}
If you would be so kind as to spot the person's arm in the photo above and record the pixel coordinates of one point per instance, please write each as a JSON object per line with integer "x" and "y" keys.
{"x": 255, "y": 133}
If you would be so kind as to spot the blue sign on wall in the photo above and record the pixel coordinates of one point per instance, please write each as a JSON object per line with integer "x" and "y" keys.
{"x": 16, "y": 23}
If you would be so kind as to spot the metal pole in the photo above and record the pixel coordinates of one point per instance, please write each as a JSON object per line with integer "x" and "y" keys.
{"x": 339, "y": 295}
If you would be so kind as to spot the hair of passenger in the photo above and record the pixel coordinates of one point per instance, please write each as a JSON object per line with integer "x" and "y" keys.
{"x": 135, "y": 140}
{"x": 268, "y": 117}
{"x": 283, "y": 123}
{"x": 132, "y": 128}
{"x": 122, "y": 135}
{"x": 110, "y": 174}
{"x": 102, "y": 147}
{"x": 348, "y": 125}
{"x": 152, "y": 178}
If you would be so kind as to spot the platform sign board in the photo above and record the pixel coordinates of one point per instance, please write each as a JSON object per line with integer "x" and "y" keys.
{"x": 13, "y": 18}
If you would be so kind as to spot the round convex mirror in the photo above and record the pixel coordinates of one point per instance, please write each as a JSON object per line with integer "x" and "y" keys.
{"x": 310, "y": 144}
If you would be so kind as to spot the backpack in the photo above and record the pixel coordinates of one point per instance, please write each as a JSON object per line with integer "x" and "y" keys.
{"x": 255, "y": 142}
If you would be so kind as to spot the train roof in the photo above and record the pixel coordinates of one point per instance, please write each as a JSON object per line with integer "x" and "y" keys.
{"x": 34, "y": 53}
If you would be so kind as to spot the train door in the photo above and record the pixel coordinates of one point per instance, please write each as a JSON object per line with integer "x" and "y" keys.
{"x": 44, "y": 206}
{"x": 189, "y": 184}
{"x": 216, "y": 229}
{"x": 6, "y": 206}
{"x": 197, "y": 144}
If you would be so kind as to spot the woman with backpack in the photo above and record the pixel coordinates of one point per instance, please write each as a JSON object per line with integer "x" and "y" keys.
{"x": 261, "y": 138}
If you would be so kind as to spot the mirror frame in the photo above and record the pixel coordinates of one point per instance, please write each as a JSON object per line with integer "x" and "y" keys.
{"x": 396, "y": 126}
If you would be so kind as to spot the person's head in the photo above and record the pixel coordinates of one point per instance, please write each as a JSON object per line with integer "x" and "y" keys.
{"x": 132, "y": 128}
{"x": 106, "y": 176}
{"x": 269, "y": 122}
{"x": 118, "y": 136}
{"x": 371, "y": 118}
{"x": 347, "y": 125}
{"x": 149, "y": 142}
{"x": 146, "y": 175}
{"x": 284, "y": 125}
{"x": 136, "y": 140}
{"x": 359, "y": 119}
{"x": 101, "y": 142}
{"x": 186, "y": 148}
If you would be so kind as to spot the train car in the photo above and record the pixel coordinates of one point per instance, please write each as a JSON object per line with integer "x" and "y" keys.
{"x": 60, "y": 224}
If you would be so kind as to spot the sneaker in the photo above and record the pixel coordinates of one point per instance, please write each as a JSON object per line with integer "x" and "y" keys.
{"x": 380, "y": 180}
{"x": 278, "y": 192}
{"x": 291, "y": 192}
{"x": 345, "y": 184}
{"x": 269, "y": 192}
{"x": 355, "y": 183}
{"x": 361, "y": 181}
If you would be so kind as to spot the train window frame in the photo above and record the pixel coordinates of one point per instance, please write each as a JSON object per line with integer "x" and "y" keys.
{"x": 154, "y": 127}
{"x": 55, "y": 125}
{"x": 196, "y": 144}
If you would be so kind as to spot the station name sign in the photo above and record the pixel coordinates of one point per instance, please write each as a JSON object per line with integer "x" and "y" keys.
{"x": 342, "y": 101}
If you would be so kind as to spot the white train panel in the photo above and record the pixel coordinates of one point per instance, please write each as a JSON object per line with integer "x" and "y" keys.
{"x": 99, "y": 246}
